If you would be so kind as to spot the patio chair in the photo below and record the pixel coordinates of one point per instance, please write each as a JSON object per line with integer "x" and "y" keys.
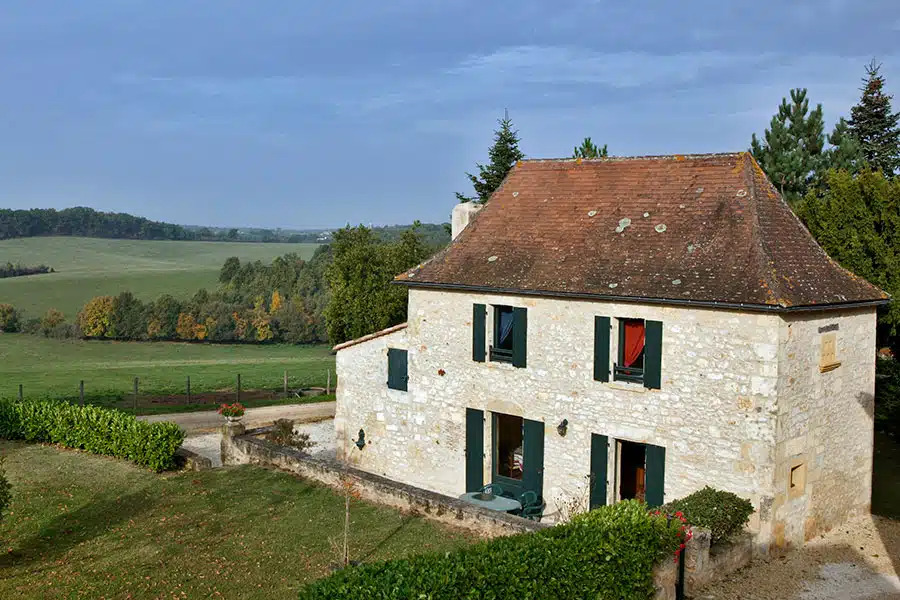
{"x": 527, "y": 499}
{"x": 534, "y": 512}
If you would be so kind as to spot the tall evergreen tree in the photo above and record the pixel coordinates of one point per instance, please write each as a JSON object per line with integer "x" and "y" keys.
{"x": 874, "y": 126}
{"x": 791, "y": 153}
{"x": 589, "y": 149}
{"x": 504, "y": 154}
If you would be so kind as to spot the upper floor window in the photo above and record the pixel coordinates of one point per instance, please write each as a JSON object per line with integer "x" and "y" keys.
{"x": 509, "y": 338}
{"x": 630, "y": 365}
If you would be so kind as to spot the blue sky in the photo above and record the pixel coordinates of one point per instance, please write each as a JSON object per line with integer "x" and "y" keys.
{"x": 309, "y": 114}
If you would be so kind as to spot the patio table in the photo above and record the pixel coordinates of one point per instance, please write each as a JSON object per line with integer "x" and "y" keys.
{"x": 499, "y": 503}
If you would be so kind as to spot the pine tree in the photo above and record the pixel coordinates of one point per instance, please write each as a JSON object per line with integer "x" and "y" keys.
{"x": 504, "y": 154}
{"x": 791, "y": 154}
{"x": 589, "y": 149}
{"x": 874, "y": 126}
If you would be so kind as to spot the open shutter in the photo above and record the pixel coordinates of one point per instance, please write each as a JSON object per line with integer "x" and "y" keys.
{"x": 397, "y": 369}
{"x": 478, "y": 342}
{"x": 656, "y": 474}
{"x": 520, "y": 336}
{"x": 653, "y": 333}
{"x": 474, "y": 450}
{"x": 533, "y": 457}
{"x": 599, "y": 449}
{"x": 601, "y": 348}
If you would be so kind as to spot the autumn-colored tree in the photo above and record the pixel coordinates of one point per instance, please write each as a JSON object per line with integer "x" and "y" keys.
{"x": 262, "y": 321}
{"x": 209, "y": 328}
{"x": 276, "y": 303}
{"x": 186, "y": 327}
{"x": 51, "y": 320}
{"x": 95, "y": 319}
{"x": 241, "y": 325}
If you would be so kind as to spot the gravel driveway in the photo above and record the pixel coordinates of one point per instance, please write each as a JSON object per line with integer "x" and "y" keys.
{"x": 858, "y": 561}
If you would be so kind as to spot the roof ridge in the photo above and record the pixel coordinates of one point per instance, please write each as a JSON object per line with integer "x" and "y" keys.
{"x": 637, "y": 157}
{"x": 770, "y": 282}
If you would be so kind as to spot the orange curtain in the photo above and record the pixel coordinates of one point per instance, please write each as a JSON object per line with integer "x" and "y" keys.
{"x": 634, "y": 341}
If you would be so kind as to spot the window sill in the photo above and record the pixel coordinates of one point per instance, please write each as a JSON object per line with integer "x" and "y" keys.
{"x": 627, "y": 386}
{"x": 827, "y": 368}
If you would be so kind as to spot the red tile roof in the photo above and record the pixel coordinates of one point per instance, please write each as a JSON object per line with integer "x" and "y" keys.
{"x": 694, "y": 229}
{"x": 370, "y": 336}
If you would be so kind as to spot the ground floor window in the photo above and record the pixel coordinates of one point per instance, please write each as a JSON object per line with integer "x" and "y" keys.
{"x": 509, "y": 438}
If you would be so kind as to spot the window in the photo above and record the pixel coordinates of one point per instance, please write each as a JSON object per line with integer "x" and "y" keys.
{"x": 509, "y": 453}
{"x": 828, "y": 353}
{"x": 797, "y": 478}
{"x": 397, "y": 369}
{"x": 502, "y": 350}
{"x": 630, "y": 365}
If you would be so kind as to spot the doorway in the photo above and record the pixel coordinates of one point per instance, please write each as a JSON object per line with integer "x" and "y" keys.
{"x": 632, "y": 471}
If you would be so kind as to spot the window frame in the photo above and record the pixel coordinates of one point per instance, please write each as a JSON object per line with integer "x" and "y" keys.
{"x": 501, "y": 354}
{"x": 628, "y": 374}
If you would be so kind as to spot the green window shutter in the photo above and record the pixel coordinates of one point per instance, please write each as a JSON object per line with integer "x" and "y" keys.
{"x": 599, "y": 450}
{"x": 601, "y": 348}
{"x": 520, "y": 336}
{"x": 655, "y": 475}
{"x": 474, "y": 450}
{"x": 478, "y": 342}
{"x": 653, "y": 335}
{"x": 397, "y": 369}
{"x": 533, "y": 456}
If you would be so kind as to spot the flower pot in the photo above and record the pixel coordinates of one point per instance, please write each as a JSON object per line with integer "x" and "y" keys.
{"x": 234, "y": 419}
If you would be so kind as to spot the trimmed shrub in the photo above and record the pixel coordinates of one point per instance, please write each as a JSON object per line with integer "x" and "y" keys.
{"x": 723, "y": 513}
{"x": 91, "y": 428}
{"x": 606, "y": 553}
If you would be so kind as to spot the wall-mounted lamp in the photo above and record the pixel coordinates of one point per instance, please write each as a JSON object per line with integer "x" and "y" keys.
{"x": 360, "y": 441}
{"x": 563, "y": 427}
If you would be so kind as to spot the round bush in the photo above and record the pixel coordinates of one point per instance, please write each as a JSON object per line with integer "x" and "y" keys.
{"x": 723, "y": 513}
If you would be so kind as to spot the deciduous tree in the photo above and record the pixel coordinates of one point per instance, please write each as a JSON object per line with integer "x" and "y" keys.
{"x": 95, "y": 319}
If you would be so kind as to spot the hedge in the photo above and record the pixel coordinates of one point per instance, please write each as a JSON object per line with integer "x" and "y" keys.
{"x": 91, "y": 428}
{"x": 608, "y": 553}
{"x": 723, "y": 513}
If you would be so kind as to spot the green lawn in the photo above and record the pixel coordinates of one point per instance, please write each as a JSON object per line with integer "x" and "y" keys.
{"x": 83, "y": 526}
{"x": 48, "y": 367}
{"x": 88, "y": 267}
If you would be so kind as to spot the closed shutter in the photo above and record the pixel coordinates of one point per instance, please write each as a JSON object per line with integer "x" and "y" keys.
{"x": 520, "y": 337}
{"x": 656, "y": 475}
{"x": 479, "y": 313}
{"x": 601, "y": 348}
{"x": 533, "y": 457}
{"x": 653, "y": 334}
{"x": 474, "y": 450}
{"x": 599, "y": 450}
{"x": 397, "y": 369}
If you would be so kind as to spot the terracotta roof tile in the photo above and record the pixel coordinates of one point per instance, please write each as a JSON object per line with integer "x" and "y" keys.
{"x": 692, "y": 228}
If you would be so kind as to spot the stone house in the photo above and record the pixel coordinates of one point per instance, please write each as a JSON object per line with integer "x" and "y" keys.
{"x": 620, "y": 328}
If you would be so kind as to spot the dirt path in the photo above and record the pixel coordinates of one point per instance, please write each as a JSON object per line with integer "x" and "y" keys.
{"x": 254, "y": 417}
{"x": 858, "y": 561}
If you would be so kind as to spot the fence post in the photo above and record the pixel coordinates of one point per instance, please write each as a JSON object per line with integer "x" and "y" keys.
{"x": 21, "y": 395}
{"x": 285, "y": 382}
{"x": 328, "y": 384}
{"x": 81, "y": 391}
{"x": 189, "y": 389}
{"x": 135, "y": 395}
{"x": 239, "y": 387}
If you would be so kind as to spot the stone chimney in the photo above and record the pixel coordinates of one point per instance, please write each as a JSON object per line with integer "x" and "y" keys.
{"x": 462, "y": 214}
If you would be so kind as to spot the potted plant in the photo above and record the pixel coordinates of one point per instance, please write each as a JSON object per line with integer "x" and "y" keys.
{"x": 232, "y": 412}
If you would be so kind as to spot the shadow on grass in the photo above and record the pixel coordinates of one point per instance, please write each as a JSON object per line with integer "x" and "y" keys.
{"x": 383, "y": 542}
{"x": 69, "y": 529}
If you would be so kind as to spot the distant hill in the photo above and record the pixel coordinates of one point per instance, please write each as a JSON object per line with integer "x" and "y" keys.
{"x": 87, "y": 222}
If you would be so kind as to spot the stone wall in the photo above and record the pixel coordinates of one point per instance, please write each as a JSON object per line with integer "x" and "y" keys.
{"x": 240, "y": 447}
{"x": 715, "y": 413}
{"x": 825, "y": 423}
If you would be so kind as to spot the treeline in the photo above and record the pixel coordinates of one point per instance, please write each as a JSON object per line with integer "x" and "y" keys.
{"x": 17, "y": 270}
{"x": 342, "y": 291}
{"x": 85, "y": 222}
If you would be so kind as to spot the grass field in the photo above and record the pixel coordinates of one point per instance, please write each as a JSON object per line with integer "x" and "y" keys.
{"x": 49, "y": 367}
{"x": 88, "y": 267}
{"x": 83, "y": 526}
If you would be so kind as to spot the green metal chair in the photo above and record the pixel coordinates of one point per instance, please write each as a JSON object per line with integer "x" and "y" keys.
{"x": 534, "y": 512}
{"x": 528, "y": 498}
